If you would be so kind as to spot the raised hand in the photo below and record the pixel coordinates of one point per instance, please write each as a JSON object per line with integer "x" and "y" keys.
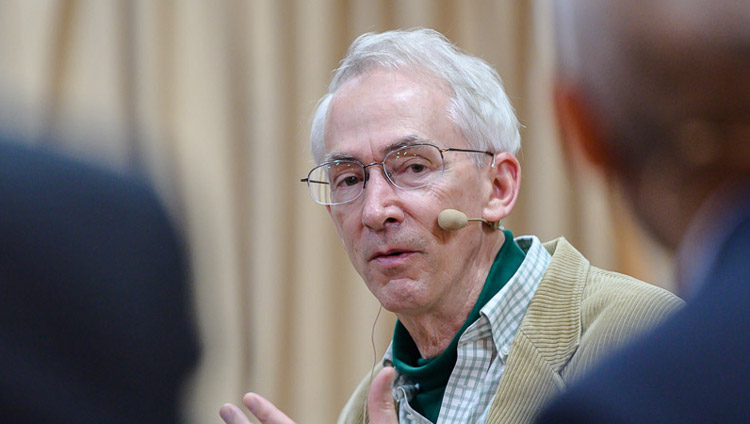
{"x": 259, "y": 406}
{"x": 379, "y": 399}
{"x": 380, "y": 406}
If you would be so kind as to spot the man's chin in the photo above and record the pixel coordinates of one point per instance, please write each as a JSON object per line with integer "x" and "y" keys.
{"x": 401, "y": 297}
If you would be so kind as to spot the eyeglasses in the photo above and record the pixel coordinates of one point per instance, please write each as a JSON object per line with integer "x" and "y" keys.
{"x": 413, "y": 166}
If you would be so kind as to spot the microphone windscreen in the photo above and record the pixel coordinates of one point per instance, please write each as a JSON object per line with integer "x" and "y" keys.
{"x": 451, "y": 219}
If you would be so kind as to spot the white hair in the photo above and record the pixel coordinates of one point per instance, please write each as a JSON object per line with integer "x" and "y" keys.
{"x": 479, "y": 105}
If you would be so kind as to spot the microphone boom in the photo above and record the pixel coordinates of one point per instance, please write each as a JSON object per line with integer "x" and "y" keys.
{"x": 452, "y": 220}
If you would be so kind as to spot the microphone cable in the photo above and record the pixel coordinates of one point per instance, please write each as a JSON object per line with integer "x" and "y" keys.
{"x": 374, "y": 362}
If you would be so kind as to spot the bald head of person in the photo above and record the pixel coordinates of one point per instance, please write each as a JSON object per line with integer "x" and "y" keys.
{"x": 657, "y": 95}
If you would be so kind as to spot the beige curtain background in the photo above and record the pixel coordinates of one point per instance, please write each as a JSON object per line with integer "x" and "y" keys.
{"x": 212, "y": 100}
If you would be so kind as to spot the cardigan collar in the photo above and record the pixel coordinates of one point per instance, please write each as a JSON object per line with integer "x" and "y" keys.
{"x": 548, "y": 337}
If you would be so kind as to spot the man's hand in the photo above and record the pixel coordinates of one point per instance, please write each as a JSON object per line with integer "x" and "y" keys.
{"x": 379, "y": 399}
{"x": 380, "y": 405}
{"x": 261, "y": 408}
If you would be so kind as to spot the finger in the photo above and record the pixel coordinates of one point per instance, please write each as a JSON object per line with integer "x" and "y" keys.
{"x": 264, "y": 410}
{"x": 380, "y": 400}
{"x": 233, "y": 415}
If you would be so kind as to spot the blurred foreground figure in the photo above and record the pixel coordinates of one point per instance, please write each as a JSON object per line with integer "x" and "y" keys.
{"x": 94, "y": 308}
{"x": 657, "y": 94}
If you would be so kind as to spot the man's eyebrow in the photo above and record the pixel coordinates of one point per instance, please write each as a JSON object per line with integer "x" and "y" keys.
{"x": 409, "y": 140}
{"x": 332, "y": 157}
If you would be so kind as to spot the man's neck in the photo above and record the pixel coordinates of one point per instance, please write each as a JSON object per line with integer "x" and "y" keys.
{"x": 433, "y": 331}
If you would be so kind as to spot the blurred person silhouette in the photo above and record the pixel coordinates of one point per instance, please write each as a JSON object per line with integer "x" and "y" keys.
{"x": 95, "y": 322}
{"x": 657, "y": 95}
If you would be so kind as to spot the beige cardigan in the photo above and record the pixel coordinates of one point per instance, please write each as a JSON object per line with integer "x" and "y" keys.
{"x": 578, "y": 313}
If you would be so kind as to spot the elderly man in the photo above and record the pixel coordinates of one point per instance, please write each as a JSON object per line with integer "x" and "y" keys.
{"x": 662, "y": 104}
{"x": 488, "y": 326}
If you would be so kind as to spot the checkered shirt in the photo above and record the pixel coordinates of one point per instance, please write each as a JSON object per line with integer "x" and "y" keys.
{"x": 482, "y": 349}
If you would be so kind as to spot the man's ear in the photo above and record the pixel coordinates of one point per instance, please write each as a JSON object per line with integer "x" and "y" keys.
{"x": 580, "y": 129}
{"x": 506, "y": 182}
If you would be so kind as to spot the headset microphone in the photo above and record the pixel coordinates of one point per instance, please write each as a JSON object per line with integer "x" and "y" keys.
{"x": 452, "y": 220}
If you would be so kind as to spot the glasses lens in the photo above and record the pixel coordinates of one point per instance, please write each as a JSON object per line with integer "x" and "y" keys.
{"x": 336, "y": 182}
{"x": 414, "y": 166}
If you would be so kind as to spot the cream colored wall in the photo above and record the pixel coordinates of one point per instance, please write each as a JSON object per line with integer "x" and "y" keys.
{"x": 212, "y": 99}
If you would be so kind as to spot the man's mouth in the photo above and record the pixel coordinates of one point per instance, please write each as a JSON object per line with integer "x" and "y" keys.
{"x": 391, "y": 254}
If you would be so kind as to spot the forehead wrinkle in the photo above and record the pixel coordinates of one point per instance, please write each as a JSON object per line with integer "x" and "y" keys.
{"x": 408, "y": 140}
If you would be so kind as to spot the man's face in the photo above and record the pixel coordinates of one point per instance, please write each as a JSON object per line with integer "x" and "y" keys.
{"x": 391, "y": 235}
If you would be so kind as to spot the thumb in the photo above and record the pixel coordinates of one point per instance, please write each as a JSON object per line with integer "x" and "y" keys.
{"x": 380, "y": 400}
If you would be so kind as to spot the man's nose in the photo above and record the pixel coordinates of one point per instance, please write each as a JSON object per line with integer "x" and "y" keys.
{"x": 381, "y": 206}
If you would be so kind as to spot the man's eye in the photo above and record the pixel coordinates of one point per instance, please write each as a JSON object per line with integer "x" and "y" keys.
{"x": 416, "y": 167}
{"x": 347, "y": 180}
{"x": 350, "y": 181}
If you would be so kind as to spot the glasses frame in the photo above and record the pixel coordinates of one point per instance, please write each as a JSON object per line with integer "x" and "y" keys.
{"x": 308, "y": 179}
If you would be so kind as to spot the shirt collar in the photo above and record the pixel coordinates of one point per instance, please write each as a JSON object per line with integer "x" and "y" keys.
{"x": 505, "y": 311}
